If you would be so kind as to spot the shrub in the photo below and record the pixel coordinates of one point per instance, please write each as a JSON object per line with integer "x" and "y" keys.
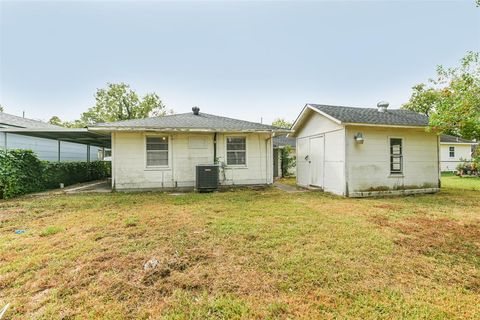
{"x": 288, "y": 160}
{"x": 21, "y": 172}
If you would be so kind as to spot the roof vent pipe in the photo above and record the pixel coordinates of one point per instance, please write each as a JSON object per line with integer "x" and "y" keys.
{"x": 196, "y": 110}
{"x": 382, "y": 106}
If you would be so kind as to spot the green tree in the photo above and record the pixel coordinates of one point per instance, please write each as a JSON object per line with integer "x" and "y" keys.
{"x": 1, "y": 108}
{"x": 452, "y": 100}
{"x": 119, "y": 102}
{"x": 282, "y": 123}
{"x": 55, "y": 121}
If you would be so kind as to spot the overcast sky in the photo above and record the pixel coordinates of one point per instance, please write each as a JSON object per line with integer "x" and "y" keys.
{"x": 243, "y": 60}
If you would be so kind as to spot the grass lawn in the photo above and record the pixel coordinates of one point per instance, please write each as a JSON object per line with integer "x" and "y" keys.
{"x": 467, "y": 183}
{"x": 241, "y": 254}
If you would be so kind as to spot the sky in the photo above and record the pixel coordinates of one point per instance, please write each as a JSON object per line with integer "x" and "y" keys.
{"x": 251, "y": 60}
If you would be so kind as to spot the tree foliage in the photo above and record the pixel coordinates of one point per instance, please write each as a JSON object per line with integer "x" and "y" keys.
{"x": 1, "y": 108}
{"x": 282, "y": 123}
{"x": 117, "y": 102}
{"x": 452, "y": 100}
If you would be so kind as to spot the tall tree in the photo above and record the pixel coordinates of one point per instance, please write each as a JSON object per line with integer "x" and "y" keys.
{"x": 116, "y": 102}
{"x": 1, "y": 108}
{"x": 119, "y": 102}
{"x": 282, "y": 123}
{"x": 452, "y": 100}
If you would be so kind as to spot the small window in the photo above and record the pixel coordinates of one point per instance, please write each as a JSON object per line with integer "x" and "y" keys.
{"x": 157, "y": 151}
{"x": 451, "y": 151}
{"x": 396, "y": 156}
{"x": 236, "y": 151}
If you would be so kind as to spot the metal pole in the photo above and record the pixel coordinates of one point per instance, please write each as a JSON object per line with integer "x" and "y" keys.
{"x": 5, "y": 142}
{"x": 58, "y": 150}
{"x": 88, "y": 153}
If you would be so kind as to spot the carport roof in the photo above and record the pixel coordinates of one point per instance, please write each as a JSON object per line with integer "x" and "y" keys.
{"x": 77, "y": 135}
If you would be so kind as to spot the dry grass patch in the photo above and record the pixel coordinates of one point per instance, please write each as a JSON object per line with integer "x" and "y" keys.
{"x": 260, "y": 254}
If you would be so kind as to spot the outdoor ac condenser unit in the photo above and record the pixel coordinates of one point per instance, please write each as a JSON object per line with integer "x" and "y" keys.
{"x": 207, "y": 177}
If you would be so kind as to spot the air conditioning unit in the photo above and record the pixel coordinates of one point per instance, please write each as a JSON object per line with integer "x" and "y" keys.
{"x": 207, "y": 177}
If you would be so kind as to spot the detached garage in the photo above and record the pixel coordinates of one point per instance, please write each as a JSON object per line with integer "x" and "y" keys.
{"x": 359, "y": 152}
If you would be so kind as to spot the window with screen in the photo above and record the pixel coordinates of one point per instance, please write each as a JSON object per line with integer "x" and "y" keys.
{"x": 157, "y": 151}
{"x": 236, "y": 151}
{"x": 451, "y": 151}
{"x": 396, "y": 156}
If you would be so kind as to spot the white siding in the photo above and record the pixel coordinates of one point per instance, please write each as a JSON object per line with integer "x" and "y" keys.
{"x": 369, "y": 163}
{"x": 334, "y": 163}
{"x": 463, "y": 152}
{"x": 186, "y": 150}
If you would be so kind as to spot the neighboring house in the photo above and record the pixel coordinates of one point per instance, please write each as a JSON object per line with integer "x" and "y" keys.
{"x": 45, "y": 149}
{"x": 163, "y": 152}
{"x": 454, "y": 151}
{"x": 360, "y": 152}
{"x": 280, "y": 143}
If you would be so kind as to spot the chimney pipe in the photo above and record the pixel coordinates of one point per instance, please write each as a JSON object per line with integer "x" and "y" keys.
{"x": 382, "y": 106}
{"x": 196, "y": 110}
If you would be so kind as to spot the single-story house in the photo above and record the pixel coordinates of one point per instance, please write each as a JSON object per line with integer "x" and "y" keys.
{"x": 454, "y": 151}
{"x": 359, "y": 152}
{"x": 163, "y": 152}
{"x": 281, "y": 143}
{"x": 12, "y": 136}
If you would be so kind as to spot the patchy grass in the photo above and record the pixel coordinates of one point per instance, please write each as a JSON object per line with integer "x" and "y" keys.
{"x": 291, "y": 181}
{"x": 240, "y": 254}
{"x": 49, "y": 231}
{"x": 467, "y": 183}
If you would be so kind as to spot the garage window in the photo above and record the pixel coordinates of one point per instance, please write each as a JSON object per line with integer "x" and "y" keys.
{"x": 396, "y": 156}
{"x": 236, "y": 151}
{"x": 157, "y": 151}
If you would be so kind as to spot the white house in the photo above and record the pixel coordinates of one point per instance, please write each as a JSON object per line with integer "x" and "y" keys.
{"x": 454, "y": 151}
{"x": 359, "y": 152}
{"x": 163, "y": 152}
{"x": 50, "y": 149}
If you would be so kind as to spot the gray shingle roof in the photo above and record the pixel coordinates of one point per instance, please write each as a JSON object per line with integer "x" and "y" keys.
{"x": 284, "y": 141}
{"x": 9, "y": 121}
{"x": 398, "y": 117}
{"x": 203, "y": 121}
{"x": 452, "y": 139}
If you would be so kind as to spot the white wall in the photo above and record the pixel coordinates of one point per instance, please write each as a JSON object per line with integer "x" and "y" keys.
{"x": 368, "y": 164}
{"x": 47, "y": 149}
{"x": 186, "y": 150}
{"x": 463, "y": 152}
{"x": 334, "y": 164}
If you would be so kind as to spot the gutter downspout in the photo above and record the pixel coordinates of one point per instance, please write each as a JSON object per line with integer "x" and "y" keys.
{"x": 267, "y": 156}
{"x": 215, "y": 148}
{"x": 438, "y": 163}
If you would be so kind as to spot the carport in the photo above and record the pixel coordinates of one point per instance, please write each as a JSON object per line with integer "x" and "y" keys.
{"x": 75, "y": 135}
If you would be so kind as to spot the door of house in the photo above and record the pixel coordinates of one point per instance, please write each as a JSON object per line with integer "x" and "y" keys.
{"x": 303, "y": 165}
{"x": 316, "y": 162}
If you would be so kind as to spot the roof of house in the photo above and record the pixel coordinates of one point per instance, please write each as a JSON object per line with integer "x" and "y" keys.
{"x": 283, "y": 141}
{"x": 9, "y": 120}
{"x": 452, "y": 139}
{"x": 188, "y": 122}
{"x": 397, "y": 117}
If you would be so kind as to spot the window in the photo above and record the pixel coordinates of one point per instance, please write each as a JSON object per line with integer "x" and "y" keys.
{"x": 451, "y": 151}
{"x": 396, "y": 156}
{"x": 236, "y": 151}
{"x": 157, "y": 151}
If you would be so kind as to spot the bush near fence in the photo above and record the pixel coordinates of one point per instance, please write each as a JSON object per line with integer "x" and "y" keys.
{"x": 21, "y": 172}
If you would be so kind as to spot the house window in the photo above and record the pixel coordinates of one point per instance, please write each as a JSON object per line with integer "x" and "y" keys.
{"x": 157, "y": 151}
{"x": 236, "y": 151}
{"x": 396, "y": 156}
{"x": 451, "y": 151}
